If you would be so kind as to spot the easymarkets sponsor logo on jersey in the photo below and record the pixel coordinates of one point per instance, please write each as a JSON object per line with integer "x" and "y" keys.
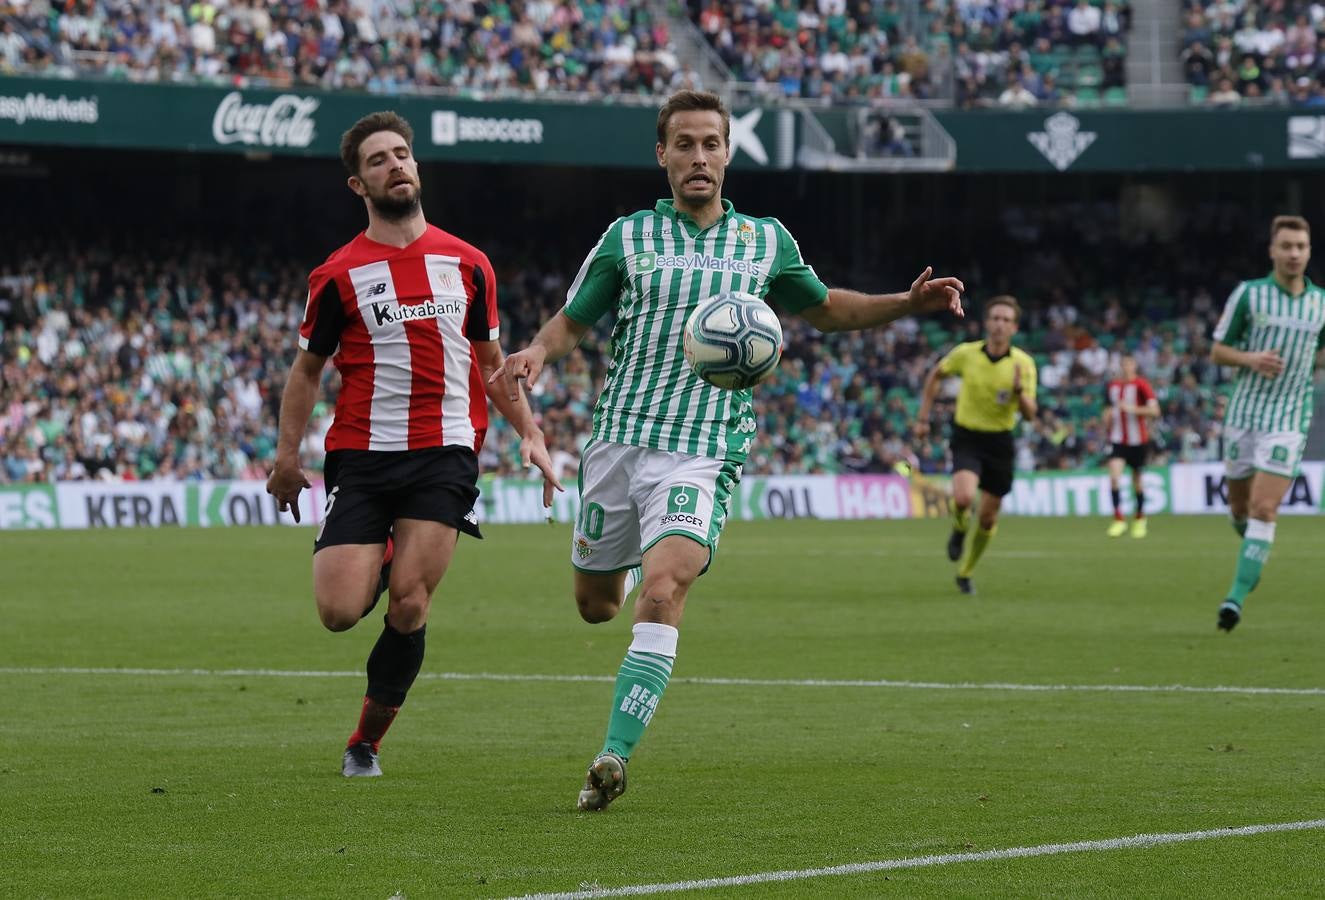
{"x": 40, "y": 108}
{"x": 649, "y": 262}
{"x": 393, "y": 313}
{"x": 450, "y": 128}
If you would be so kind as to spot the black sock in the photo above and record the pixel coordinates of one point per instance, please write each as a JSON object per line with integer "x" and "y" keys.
{"x": 1140, "y": 504}
{"x": 1117, "y": 496}
{"x": 394, "y": 664}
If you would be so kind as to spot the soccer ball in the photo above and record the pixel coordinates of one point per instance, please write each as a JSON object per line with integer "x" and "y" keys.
{"x": 733, "y": 340}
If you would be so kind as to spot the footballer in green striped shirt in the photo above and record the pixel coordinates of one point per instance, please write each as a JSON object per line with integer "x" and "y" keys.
{"x": 666, "y": 447}
{"x": 1273, "y": 330}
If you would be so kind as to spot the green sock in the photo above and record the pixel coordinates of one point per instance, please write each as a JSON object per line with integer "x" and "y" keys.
{"x": 1240, "y": 526}
{"x": 1254, "y": 555}
{"x": 978, "y": 544}
{"x": 960, "y": 518}
{"x": 639, "y": 686}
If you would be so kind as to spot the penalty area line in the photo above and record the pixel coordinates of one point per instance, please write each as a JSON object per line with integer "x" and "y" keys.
{"x": 711, "y": 682}
{"x": 921, "y": 862}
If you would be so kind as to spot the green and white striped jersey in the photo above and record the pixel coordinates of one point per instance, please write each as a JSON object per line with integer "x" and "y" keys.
{"x": 653, "y": 268}
{"x": 1260, "y": 315}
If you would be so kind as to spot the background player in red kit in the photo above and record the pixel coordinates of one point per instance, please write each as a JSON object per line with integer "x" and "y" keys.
{"x": 410, "y": 314}
{"x": 1131, "y": 402}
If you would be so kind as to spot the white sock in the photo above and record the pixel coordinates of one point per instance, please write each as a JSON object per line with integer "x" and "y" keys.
{"x": 654, "y": 637}
{"x": 634, "y": 576}
{"x": 1260, "y": 531}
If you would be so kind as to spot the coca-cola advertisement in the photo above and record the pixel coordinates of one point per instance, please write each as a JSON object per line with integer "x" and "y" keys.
{"x": 287, "y": 121}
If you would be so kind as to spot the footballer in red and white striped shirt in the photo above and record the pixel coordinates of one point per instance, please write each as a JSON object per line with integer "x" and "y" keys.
{"x": 1132, "y": 402}
{"x": 408, "y": 314}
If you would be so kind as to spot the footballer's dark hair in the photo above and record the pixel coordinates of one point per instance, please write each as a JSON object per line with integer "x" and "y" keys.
{"x": 1004, "y": 300}
{"x": 370, "y": 124}
{"x": 1288, "y": 223}
{"x": 688, "y": 101}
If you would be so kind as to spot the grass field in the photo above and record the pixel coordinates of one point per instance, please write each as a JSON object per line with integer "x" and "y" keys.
{"x": 225, "y": 781}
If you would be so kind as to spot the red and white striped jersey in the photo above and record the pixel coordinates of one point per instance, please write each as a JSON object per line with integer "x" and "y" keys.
{"x": 1128, "y": 429}
{"x": 399, "y": 321}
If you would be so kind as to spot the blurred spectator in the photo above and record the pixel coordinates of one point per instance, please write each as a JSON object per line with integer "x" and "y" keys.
{"x": 871, "y": 50}
{"x": 383, "y": 46}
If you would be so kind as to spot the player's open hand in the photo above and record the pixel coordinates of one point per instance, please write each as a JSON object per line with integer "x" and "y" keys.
{"x": 527, "y": 364}
{"x": 934, "y": 295}
{"x": 1016, "y": 380}
{"x": 533, "y": 452}
{"x": 1267, "y": 362}
{"x": 285, "y": 483}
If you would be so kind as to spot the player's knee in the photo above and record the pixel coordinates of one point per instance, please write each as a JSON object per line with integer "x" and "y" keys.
{"x": 660, "y": 588}
{"x": 409, "y": 610}
{"x": 337, "y": 618}
{"x": 595, "y": 606}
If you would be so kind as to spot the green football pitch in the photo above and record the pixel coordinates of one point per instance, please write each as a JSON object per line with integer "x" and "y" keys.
{"x": 842, "y": 722}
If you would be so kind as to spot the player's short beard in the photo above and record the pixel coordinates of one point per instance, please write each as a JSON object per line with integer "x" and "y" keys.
{"x": 395, "y": 210}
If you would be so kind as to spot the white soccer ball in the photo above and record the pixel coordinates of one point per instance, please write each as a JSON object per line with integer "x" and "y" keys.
{"x": 733, "y": 340}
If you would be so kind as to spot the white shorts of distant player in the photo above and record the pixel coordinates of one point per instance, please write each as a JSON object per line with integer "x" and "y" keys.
{"x": 633, "y": 497}
{"x": 1247, "y": 452}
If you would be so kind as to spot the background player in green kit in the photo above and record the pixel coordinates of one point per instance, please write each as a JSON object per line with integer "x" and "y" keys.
{"x": 1273, "y": 329}
{"x": 666, "y": 447}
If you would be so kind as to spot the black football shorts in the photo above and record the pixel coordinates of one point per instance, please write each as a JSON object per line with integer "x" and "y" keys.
{"x": 368, "y": 490}
{"x": 988, "y": 454}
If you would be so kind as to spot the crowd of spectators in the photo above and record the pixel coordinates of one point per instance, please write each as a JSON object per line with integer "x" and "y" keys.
{"x": 167, "y": 361}
{"x": 1238, "y": 52}
{"x": 1011, "y": 53}
{"x": 977, "y": 52}
{"x": 383, "y": 46}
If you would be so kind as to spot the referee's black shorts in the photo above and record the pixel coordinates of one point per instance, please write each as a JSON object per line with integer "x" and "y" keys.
{"x": 988, "y": 454}
{"x": 1134, "y": 455}
{"x": 367, "y": 490}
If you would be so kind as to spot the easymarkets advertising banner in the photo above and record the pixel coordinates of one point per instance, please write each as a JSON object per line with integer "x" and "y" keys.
{"x": 1182, "y": 488}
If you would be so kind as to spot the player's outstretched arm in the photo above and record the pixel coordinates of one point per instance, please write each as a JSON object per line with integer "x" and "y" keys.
{"x": 287, "y": 478}
{"x": 513, "y": 406}
{"x": 851, "y": 311}
{"x": 554, "y": 340}
{"x": 1266, "y": 362}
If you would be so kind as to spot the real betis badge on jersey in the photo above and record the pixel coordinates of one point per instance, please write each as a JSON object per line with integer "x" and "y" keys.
{"x": 683, "y": 499}
{"x": 746, "y": 233}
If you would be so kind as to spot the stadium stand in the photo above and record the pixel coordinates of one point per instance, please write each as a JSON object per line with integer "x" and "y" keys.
{"x": 382, "y": 46}
{"x": 976, "y": 52}
{"x": 1235, "y": 52}
{"x": 167, "y": 359}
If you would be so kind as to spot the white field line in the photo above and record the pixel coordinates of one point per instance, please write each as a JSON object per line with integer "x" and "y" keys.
{"x": 920, "y": 862}
{"x": 717, "y": 682}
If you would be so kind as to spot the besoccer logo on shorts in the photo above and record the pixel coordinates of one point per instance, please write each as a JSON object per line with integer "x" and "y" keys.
{"x": 682, "y": 502}
{"x": 682, "y": 499}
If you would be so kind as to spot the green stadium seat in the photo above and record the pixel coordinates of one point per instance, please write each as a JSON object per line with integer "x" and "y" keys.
{"x": 1115, "y": 96}
{"x": 1197, "y": 94}
{"x": 1088, "y": 53}
{"x": 1087, "y": 97}
{"x": 1089, "y": 75}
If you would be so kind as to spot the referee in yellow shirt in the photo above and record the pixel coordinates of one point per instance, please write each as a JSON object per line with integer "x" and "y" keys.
{"x": 998, "y": 381}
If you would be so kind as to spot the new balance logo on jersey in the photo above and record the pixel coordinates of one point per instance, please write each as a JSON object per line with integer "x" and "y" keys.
{"x": 377, "y": 290}
{"x": 391, "y": 314}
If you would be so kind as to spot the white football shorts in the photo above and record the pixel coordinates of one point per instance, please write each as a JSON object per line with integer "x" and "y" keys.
{"x": 632, "y": 497}
{"x": 1276, "y": 452}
